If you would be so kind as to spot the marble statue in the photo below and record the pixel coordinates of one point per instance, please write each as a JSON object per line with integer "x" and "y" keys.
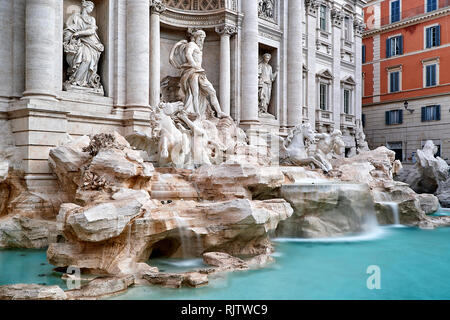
{"x": 266, "y": 78}
{"x": 195, "y": 87}
{"x": 303, "y": 147}
{"x": 168, "y": 142}
{"x": 83, "y": 48}
{"x": 294, "y": 150}
{"x": 361, "y": 142}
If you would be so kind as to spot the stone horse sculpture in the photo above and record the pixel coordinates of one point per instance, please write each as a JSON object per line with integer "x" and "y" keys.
{"x": 294, "y": 150}
{"x": 168, "y": 142}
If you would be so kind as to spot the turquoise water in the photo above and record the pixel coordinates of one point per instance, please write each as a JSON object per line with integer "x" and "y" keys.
{"x": 414, "y": 264}
{"x": 27, "y": 266}
{"x": 441, "y": 212}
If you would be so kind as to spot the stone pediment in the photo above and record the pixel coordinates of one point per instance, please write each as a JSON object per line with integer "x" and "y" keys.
{"x": 349, "y": 81}
{"x": 325, "y": 74}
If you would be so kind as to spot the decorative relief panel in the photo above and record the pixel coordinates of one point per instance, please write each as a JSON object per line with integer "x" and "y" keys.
{"x": 267, "y": 10}
{"x": 201, "y": 5}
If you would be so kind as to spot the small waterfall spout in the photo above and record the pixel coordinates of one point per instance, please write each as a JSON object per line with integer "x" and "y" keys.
{"x": 394, "y": 208}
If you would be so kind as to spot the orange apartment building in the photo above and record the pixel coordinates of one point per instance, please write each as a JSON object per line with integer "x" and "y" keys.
{"x": 406, "y": 75}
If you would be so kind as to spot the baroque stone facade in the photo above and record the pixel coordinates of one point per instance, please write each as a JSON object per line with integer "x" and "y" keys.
{"x": 314, "y": 46}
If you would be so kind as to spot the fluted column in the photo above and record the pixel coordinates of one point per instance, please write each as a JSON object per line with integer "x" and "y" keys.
{"x": 249, "y": 109}
{"x": 6, "y": 40}
{"x": 295, "y": 63}
{"x": 156, "y": 8}
{"x": 225, "y": 33}
{"x": 138, "y": 53}
{"x": 311, "y": 7}
{"x": 40, "y": 53}
{"x": 359, "y": 29}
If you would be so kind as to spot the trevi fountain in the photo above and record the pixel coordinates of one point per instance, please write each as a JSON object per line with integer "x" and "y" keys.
{"x": 128, "y": 176}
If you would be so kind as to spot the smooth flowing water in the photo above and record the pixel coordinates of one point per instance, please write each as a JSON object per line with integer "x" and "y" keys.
{"x": 414, "y": 264}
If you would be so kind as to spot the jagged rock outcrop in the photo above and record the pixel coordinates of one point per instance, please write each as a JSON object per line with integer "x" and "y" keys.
{"x": 430, "y": 174}
{"x": 181, "y": 228}
{"x": 327, "y": 209}
{"x": 376, "y": 169}
{"x": 31, "y": 292}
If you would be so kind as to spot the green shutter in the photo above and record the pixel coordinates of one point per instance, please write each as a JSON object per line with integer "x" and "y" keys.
{"x": 400, "y": 116}
{"x": 438, "y": 112}
{"x": 423, "y": 113}
{"x": 388, "y": 118}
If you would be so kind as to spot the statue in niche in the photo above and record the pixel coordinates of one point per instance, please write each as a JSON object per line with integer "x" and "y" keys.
{"x": 266, "y": 78}
{"x": 83, "y": 48}
{"x": 196, "y": 89}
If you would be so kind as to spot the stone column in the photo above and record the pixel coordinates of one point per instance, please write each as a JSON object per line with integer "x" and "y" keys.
{"x": 156, "y": 8}
{"x": 6, "y": 40}
{"x": 249, "y": 104}
{"x": 225, "y": 33}
{"x": 295, "y": 64}
{"x": 359, "y": 29}
{"x": 40, "y": 54}
{"x": 336, "y": 20}
{"x": 311, "y": 11}
{"x": 138, "y": 53}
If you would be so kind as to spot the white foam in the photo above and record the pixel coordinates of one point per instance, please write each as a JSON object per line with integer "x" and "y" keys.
{"x": 375, "y": 234}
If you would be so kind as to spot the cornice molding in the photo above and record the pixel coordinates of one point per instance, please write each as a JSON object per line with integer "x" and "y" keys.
{"x": 413, "y": 20}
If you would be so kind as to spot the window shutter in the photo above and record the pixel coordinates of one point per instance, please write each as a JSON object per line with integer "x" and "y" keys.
{"x": 401, "y": 44}
{"x": 400, "y": 116}
{"x": 423, "y": 114}
{"x": 428, "y": 37}
{"x": 388, "y": 120}
{"x": 428, "y": 76}
{"x": 433, "y": 75}
{"x": 388, "y": 48}
{"x": 438, "y": 35}
{"x": 438, "y": 112}
{"x": 364, "y": 54}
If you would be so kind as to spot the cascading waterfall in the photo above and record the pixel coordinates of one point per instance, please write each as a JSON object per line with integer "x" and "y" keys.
{"x": 394, "y": 209}
{"x": 328, "y": 210}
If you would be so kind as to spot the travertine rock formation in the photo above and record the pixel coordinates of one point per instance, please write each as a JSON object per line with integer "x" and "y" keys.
{"x": 429, "y": 172}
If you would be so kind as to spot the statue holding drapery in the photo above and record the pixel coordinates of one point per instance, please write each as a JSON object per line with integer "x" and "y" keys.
{"x": 83, "y": 48}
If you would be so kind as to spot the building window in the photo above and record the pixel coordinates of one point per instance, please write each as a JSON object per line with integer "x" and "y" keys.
{"x": 363, "y": 120}
{"x": 324, "y": 89}
{"x": 394, "y": 117}
{"x": 431, "y": 113}
{"x": 433, "y": 36}
{"x": 394, "y": 46}
{"x": 347, "y": 101}
{"x": 347, "y": 29}
{"x": 323, "y": 18}
{"x": 397, "y": 147}
{"x": 363, "y": 54}
{"x": 394, "y": 81}
{"x": 431, "y": 75}
{"x": 431, "y": 5}
{"x": 395, "y": 11}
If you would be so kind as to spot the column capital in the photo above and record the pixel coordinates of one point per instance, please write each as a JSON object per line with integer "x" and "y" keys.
{"x": 312, "y": 6}
{"x": 337, "y": 16}
{"x": 226, "y": 29}
{"x": 157, "y": 7}
{"x": 359, "y": 26}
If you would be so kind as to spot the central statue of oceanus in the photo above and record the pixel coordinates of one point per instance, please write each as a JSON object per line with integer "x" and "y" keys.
{"x": 196, "y": 89}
